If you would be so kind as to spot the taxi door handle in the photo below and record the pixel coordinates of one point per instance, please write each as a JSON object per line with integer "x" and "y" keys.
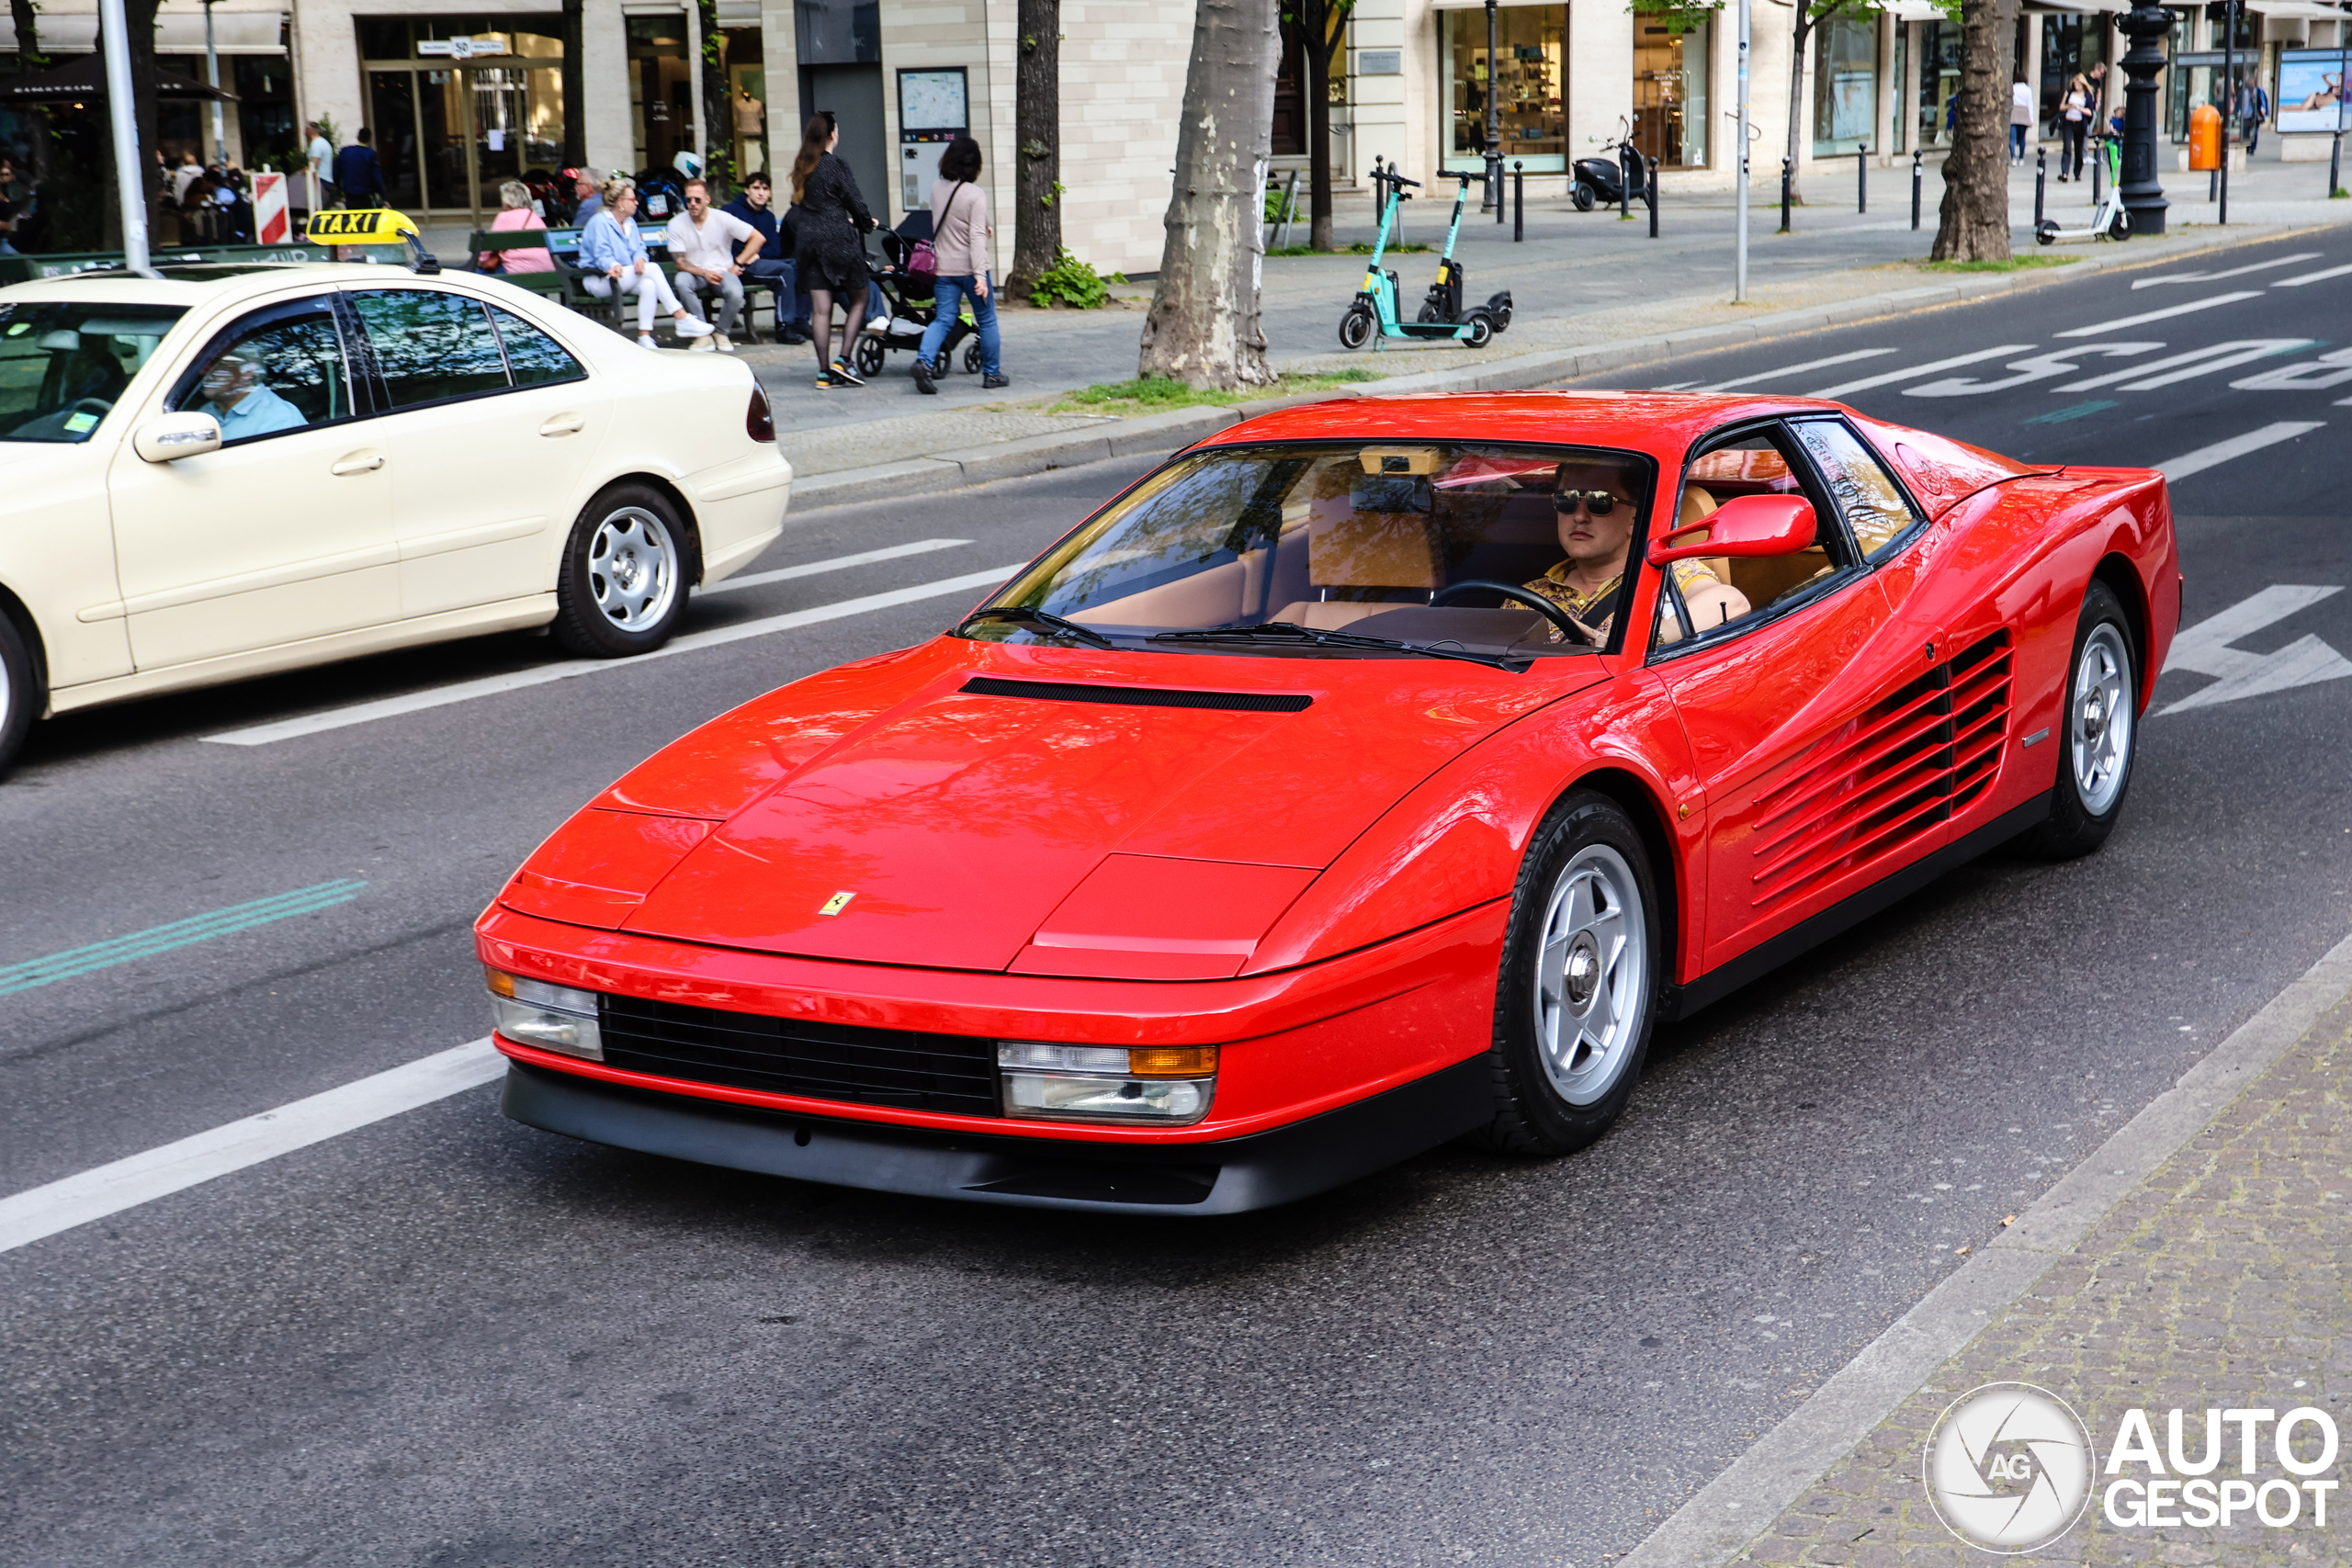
{"x": 565, "y": 425}
{"x": 359, "y": 463}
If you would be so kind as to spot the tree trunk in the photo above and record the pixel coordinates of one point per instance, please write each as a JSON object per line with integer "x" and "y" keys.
{"x": 575, "y": 88}
{"x": 1204, "y": 327}
{"x": 1323, "y": 32}
{"x": 717, "y": 114}
{"x": 1973, "y": 222}
{"x": 1037, "y": 144}
{"x": 1799, "y": 38}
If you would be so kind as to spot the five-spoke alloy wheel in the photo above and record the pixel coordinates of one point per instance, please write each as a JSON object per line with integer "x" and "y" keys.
{"x": 2098, "y": 730}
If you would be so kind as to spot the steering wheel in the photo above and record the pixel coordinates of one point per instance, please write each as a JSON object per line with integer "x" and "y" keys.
{"x": 1569, "y": 627}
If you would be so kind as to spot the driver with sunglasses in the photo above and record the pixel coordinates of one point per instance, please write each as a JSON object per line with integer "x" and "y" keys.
{"x": 1595, "y": 507}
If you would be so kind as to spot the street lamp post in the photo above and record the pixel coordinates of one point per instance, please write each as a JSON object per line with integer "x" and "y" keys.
{"x": 131, "y": 180}
{"x": 2229, "y": 97}
{"x": 2143, "y": 198}
{"x": 1739, "y": 180}
{"x": 212, "y": 79}
{"x": 1494, "y": 120}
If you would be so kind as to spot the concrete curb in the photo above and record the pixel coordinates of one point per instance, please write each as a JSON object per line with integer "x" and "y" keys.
{"x": 1178, "y": 428}
{"x": 1727, "y": 1514}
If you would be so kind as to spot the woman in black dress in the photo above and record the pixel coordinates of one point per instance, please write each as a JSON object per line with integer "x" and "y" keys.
{"x": 832, "y": 256}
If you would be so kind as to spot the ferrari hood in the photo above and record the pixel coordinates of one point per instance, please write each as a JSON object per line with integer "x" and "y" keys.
{"x": 1013, "y": 811}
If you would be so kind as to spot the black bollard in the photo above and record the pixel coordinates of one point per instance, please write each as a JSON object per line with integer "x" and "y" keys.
{"x": 1626, "y": 177}
{"x": 1916, "y": 177}
{"x": 1862, "y": 179}
{"x": 1784, "y": 196}
{"x": 2335, "y": 165}
{"x": 1494, "y": 182}
{"x": 2098, "y": 167}
{"x": 1518, "y": 200}
{"x": 2040, "y": 183}
{"x": 1653, "y": 198}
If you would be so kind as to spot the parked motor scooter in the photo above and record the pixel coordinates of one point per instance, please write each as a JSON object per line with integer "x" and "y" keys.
{"x": 1609, "y": 181}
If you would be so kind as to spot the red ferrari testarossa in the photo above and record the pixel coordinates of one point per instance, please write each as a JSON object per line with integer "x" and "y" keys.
{"x": 1375, "y": 773}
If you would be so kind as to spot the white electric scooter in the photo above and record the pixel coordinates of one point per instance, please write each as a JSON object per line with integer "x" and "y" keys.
{"x": 2110, "y": 220}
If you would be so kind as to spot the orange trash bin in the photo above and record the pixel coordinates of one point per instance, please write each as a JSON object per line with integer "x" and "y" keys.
{"x": 2204, "y": 138}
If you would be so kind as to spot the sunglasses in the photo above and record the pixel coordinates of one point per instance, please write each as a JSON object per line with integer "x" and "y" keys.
{"x": 1599, "y": 503}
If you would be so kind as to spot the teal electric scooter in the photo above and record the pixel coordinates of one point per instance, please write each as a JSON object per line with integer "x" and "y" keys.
{"x": 1374, "y": 314}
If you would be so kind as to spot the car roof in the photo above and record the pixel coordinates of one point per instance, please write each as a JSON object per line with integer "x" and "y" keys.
{"x": 1644, "y": 420}
{"x": 194, "y": 284}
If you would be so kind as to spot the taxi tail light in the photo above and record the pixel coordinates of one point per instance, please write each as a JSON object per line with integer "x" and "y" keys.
{"x": 552, "y": 1018}
{"x": 759, "y": 423}
{"x": 1163, "y": 1086}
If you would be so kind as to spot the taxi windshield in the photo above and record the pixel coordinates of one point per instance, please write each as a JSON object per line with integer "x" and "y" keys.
{"x": 63, "y": 364}
{"x": 1494, "y": 552}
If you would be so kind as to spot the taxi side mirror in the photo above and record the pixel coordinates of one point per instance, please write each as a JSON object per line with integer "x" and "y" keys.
{"x": 168, "y": 437}
{"x": 1746, "y": 525}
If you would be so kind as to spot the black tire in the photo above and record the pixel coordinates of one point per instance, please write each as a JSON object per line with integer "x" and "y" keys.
{"x": 20, "y": 694}
{"x": 1428, "y": 313}
{"x": 1356, "y": 327}
{"x": 2120, "y": 227}
{"x": 972, "y": 357}
{"x": 604, "y": 610}
{"x": 1542, "y": 1105}
{"x": 1482, "y": 330}
{"x": 870, "y": 356}
{"x": 1582, "y": 195}
{"x": 2046, "y": 232}
{"x": 2102, "y": 681}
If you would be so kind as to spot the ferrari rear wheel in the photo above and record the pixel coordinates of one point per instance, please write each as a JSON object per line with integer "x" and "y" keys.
{"x": 2098, "y": 732}
{"x": 1577, "y": 990}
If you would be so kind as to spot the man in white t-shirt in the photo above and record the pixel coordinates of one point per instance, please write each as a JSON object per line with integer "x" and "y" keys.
{"x": 709, "y": 250}
{"x": 322, "y": 154}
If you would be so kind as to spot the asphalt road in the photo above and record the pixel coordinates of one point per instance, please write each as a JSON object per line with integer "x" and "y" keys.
{"x": 449, "y": 1339}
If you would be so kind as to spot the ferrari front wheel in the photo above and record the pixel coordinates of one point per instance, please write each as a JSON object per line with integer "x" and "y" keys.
{"x": 1578, "y": 989}
{"x": 2098, "y": 730}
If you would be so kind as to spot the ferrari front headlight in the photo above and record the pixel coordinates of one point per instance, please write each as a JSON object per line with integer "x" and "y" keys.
{"x": 1163, "y": 1086}
{"x": 553, "y": 1018}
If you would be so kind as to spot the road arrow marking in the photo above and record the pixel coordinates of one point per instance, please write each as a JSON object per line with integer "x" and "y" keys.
{"x": 2204, "y": 649}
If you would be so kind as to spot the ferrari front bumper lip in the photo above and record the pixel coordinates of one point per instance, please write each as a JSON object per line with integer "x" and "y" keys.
{"x": 1225, "y": 1175}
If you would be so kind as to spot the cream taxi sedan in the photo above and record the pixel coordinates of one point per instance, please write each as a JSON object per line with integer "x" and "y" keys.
{"x": 231, "y": 470}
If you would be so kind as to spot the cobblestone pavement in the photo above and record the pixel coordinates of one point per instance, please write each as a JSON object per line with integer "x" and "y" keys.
{"x": 2220, "y": 1284}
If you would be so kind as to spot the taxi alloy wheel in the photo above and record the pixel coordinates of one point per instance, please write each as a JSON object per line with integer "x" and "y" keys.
{"x": 623, "y": 583}
{"x": 1577, "y": 990}
{"x": 19, "y": 691}
{"x": 2098, "y": 730}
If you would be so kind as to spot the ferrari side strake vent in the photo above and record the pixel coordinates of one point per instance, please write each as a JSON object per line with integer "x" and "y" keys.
{"x": 1136, "y": 697}
{"x": 1894, "y": 773}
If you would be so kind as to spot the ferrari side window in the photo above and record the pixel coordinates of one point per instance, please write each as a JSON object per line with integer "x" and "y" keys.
{"x": 1713, "y": 596}
{"x": 1874, "y": 506}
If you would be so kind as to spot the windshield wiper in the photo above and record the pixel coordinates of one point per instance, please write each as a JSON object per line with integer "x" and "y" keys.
{"x": 1290, "y": 631}
{"x": 1044, "y": 620}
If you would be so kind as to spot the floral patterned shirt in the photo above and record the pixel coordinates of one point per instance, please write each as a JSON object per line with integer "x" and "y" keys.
{"x": 1553, "y": 585}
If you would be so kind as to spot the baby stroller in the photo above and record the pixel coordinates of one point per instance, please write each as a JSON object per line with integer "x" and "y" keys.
{"x": 909, "y": 295}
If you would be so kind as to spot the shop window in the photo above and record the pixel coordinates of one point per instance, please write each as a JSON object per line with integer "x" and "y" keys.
{"x": 265, "y": 107}
{"x": 1671, "y": 93}
{"x": 1523, "y": 80}
{"x": 1938, "y": 81}
{"x": 2071, "y": 45}
{"x": 661, "y": 93}
{"x": 462, "y": 103}
{"x": 1844, "y": 84}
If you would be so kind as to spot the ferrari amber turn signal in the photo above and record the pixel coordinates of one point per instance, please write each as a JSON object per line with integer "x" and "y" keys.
{"x": 1166, "y": 1085}
{"x": 553, "y": 1018}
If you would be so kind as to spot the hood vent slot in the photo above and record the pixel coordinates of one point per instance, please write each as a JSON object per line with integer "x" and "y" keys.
{"x": 1898, "y": 771}
{"x": 1136, "y": 697}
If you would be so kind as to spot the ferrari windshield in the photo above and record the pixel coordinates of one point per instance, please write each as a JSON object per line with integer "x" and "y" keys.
{"x": 1333, "y": 548}
{"x": 64, "y": 365}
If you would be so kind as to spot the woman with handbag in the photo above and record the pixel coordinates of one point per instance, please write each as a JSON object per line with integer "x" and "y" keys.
{"x": 959, "y": 244}
{"x": 831, "y": 258}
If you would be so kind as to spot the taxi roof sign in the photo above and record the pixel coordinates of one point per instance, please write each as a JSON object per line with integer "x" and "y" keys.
{"x": 359, "y": 226}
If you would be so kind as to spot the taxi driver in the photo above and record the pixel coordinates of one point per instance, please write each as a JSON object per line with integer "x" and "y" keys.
{"x": 1594, "y": 504}
{"x": 234, "y": 395}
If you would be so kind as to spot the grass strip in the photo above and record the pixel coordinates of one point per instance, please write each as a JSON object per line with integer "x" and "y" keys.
{"x": 1151, "y": 394}
{"x": 2014, "y": 264}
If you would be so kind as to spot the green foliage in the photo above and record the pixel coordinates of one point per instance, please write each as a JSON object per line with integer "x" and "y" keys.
{"x": 1072, "y": 282}
{"x": 1678, "y": 17}
{"x": 2014, "y": 264}
{"x": 1355, "y": 250}
{"x": 328, "y": 128}
{"x": 1153, "y": 393}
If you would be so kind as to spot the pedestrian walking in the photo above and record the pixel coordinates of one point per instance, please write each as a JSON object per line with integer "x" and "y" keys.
{"x": 776, "y": 265}
{"x": 2252, "y": 108}
{"x": 322, "y": 170}
{"x": 832, "y": 256}
{"x": 357, "y": 175}
{"x": 2021, "y": 120}
{"x": 960, "y": 232}
{"x": 2075, "y": 124}
{"x": 710, "y": 250}
{"x": 514, "y": 213}
{"x": 611, "y": 245}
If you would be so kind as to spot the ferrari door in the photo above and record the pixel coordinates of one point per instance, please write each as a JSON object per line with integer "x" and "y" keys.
{"x": 1810, "y": 731}
{"x": 490, "y": 425}
{"x": 282, "y": 534}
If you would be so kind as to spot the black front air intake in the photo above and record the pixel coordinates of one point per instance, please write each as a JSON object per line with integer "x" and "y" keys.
{"x": 896, "y": 1067}
{"x": 1136, "y": 697}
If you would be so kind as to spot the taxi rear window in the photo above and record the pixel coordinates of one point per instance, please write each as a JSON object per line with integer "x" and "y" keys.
{"x": 63, "y": 364}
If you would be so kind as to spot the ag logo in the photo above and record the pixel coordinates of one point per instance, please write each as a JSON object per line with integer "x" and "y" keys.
{"x": 2008, "y": 1468}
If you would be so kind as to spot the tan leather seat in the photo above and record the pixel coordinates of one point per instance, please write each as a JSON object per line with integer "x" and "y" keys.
{"x": 1347, "y": 548}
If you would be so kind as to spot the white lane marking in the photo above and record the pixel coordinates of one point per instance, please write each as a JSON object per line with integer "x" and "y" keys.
{"x": 2234, "y": 272}
{"x": 494, "y": 685}
{"x": 2204, "y": 649}
{"x": 1673, "y": 385}
{"x": 2034, "y": 367}
{"x": 2331, "y": 369}
{"x": 2188, "y": 310}
{"x": 2320, "y": 277}
{"x": 2198, "y": 362}
{"x": 1797, "y": 369}
{"x": 1954, "y": 363}
{"x": 39, "y": 1211}
{"x": 2178, "y": 468}
{"x": 838, "y": 563}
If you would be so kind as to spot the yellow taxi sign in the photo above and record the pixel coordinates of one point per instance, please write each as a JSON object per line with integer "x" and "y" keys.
{"x": 359, "y": 226}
